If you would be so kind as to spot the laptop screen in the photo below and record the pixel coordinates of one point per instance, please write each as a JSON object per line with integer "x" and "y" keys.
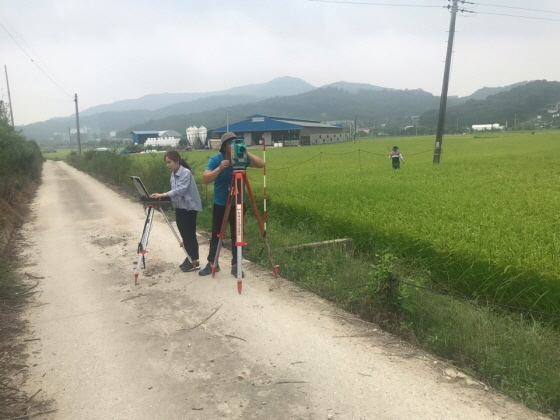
{"x": 140, "y": 187}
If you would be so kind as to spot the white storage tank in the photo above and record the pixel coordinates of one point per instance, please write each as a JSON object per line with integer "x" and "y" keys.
{"x": 192, "y": 134}
{"x": 202, "y": 134}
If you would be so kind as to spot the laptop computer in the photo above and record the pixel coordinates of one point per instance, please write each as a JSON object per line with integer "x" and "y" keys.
{"x": 143, "y": 191}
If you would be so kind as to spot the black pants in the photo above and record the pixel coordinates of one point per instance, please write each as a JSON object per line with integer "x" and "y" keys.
{"x": 217, "y": 217}
{"x": 186, "y": 223}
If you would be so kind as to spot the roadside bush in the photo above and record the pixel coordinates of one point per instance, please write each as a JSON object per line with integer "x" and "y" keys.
{"x": 20, "y": 172}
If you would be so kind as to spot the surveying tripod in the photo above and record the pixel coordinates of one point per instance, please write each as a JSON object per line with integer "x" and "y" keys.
{"x": 152, "y": 205}
{"x": 236, "y": 195}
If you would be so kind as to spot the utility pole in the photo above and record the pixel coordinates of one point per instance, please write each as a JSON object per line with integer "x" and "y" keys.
{"x": 443, "y": 99}
{"x": 78, "y": 125}
{"x": 9, "y": 96}
{"x": 355, "y": 127}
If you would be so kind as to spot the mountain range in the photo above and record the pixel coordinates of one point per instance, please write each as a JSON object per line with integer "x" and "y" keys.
{"x": 293, "y": 98}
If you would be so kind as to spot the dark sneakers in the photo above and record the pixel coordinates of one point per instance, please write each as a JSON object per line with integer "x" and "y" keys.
{"x": 234, "y": 271}
{"x": 208, "y": 270}
{"x": 187, "y": 266}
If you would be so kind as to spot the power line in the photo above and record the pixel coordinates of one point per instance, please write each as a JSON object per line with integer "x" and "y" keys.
{"x": 516, "y": 16}
{"x": 376, "y": 4}
{"x": 517, "y": 8}
{"x": 25, "y": 42}
{"x": 33, "y": 61}
{"x": 460, "y": 10}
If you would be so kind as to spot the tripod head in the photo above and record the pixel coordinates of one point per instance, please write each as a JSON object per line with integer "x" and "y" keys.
{"x": 239, "y": 154}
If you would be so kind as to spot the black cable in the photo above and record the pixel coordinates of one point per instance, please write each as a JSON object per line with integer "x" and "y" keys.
{"x": 340, "y": 154}
{"x": 517, "y": 8}
{"x": 516, "y": 16}
{"x": 292, "y": 166}
{"x": 376, "y": 4}
{"x": 33, "y": 61}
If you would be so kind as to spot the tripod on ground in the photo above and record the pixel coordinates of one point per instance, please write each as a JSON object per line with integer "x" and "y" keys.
{"x": 152, "y": 205}
{"x": 236, "y": 195}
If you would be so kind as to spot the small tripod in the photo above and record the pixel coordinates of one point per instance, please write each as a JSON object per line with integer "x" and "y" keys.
{"x": 236, "y": 194}
{"x": 152, "y": 205}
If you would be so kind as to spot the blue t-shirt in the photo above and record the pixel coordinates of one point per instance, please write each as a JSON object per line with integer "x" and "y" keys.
{"x": 223, "y": 180}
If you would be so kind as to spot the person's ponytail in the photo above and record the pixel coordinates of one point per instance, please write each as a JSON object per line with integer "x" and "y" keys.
{"x": 184, "y": 164}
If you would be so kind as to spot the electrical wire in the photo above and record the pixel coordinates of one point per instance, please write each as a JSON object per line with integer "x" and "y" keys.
{"x": 460, "y": 10}
{"x": 33, "y": 61}
{"x": 376, "y": 4}
{"x": 516, "y": 16}
{"x": 517, "y": 8}
{"x": 26, "y": 44}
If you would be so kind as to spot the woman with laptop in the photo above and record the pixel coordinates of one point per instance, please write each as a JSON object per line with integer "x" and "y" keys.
{"x": 186, "y": 201}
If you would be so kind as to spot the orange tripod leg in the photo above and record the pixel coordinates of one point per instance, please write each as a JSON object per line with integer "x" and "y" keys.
{"x": 221, "y": 234}
{"x": 261, "y": 227}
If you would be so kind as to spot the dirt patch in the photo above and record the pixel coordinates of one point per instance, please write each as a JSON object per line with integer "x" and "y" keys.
{"x": 108, "y": 241}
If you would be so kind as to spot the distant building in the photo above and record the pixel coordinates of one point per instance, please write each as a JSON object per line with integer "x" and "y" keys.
{"x": 279, "y": 131}
{"x": 156, "y": 138}
{"x": 487, "y": 127}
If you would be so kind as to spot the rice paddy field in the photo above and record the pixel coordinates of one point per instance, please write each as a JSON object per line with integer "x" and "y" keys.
{"x": 485, "y": 222}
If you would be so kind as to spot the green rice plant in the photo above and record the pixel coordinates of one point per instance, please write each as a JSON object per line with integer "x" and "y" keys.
{"x": 483, "y": 221}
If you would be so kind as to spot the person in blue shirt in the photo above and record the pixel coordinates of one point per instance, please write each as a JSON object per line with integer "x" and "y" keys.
{"x": 186, "y": 201}
{"x": 220, "y": 171}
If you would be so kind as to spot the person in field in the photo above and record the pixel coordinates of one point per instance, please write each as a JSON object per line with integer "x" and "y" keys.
{"x": 396, "y": 157}
{"x": 186, "y": 201}
{"x": 219, "y": 170}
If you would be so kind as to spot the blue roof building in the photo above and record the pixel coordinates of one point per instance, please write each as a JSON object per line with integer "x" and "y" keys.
{"x": 282, "y": 131}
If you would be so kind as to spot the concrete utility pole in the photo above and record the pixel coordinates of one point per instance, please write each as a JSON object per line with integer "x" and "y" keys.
{"x": 443, "y": 99}
{"x": 78, "y": 125}
{"x": 9, "y": 96}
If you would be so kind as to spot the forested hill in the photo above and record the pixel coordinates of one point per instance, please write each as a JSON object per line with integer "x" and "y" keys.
{"x": 281, "y": 86}
{"x": 370, "y": 107}
{"x": 522, "y": 103}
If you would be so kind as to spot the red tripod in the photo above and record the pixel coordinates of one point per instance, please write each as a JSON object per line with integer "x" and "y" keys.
{"x": 236, "y": 195}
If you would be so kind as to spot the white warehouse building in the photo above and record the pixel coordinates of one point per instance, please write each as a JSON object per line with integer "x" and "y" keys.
{"x": 167, "y": 138}
{"x": 488, "y": 127}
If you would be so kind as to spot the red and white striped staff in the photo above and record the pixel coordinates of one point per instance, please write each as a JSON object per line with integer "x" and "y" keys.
{"x": 264, "y": 183}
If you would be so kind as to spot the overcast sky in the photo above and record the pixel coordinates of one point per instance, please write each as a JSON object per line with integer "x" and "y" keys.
{"x": 108, "y": 50}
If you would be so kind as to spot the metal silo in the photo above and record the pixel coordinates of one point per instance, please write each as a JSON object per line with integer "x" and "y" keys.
{"x": 192, "y": 135}
{"x": 202, "y": 134}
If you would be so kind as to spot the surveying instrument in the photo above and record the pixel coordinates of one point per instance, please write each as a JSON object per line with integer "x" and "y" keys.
{"x": 151, "y": 205}
{"x": 236, "y": 194}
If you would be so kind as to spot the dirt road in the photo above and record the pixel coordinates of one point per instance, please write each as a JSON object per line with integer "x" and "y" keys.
{"x": 181, "y": 346}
